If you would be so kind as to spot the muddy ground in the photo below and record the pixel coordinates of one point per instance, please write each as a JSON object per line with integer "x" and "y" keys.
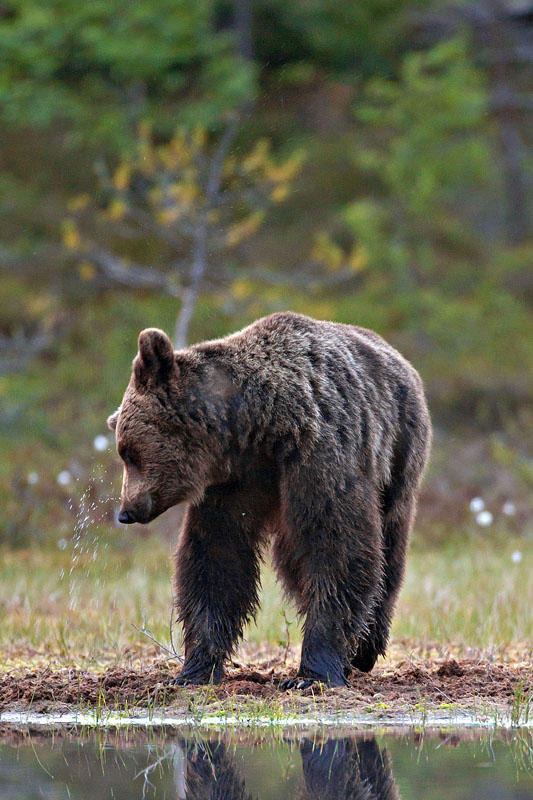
{"x": 480, "y": 682}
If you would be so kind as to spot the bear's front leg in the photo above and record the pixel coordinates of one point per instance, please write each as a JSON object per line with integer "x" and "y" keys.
{"x": 217, "y": 578}
{"x": 322, "y": 659}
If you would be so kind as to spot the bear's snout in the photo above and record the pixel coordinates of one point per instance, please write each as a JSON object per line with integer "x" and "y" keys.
{"x": 136, "y": 512}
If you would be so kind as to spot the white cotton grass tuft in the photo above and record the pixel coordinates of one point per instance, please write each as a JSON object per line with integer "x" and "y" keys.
{"x": 64, "y": 478}
{"x": 484, "y": 518}
{"x": 477, "y": 504}
{"x": 33, "y": 478}
{"x": 100, "y": 443}
{"x": 62, "y": 544}
{"x": 516, "y": 557}
{"x": 509, "y": 508}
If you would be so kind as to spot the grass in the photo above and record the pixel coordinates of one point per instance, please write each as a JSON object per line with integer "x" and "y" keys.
{"x": 82, "y": 610}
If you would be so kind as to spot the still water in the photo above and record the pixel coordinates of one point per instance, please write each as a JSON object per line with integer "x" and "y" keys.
{"x": 242, "y": 766}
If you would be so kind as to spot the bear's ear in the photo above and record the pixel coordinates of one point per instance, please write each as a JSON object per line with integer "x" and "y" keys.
{"x": 156, "y": 356}
{"x": 112, "y": 420}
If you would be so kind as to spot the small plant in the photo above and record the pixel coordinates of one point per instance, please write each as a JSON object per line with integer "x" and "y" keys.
{"x": 285, "y": 643}
{"x": 521, "y": 705}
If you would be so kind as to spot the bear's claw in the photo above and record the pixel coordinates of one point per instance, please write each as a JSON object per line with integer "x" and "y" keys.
{"x": 179, "y": 682}
{"x": 197, "y": 676}
{"x": 191, "y": 682}
{"x": 296, "y": 683}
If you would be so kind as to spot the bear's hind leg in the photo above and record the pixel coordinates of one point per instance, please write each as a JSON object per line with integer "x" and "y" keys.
{"x": 216, "y": 584}
{"x": 396, "y": 528}
{"x": 398, "y": 507}
{"x": 329, "y": 555}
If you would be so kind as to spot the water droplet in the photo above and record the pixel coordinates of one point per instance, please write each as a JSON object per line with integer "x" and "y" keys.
{"x": 484, "y": 518}
{"x": 477, "y": 504}
{"x": 64, "y": 478}
{"x": 509, "y": 509}
{"x": 101, "y": 443}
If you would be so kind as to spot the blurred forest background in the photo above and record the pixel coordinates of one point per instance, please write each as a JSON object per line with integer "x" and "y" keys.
{"x": 195, "y": 165}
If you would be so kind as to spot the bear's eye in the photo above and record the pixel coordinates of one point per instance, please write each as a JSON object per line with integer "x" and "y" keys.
{"x": 127, "y": 457}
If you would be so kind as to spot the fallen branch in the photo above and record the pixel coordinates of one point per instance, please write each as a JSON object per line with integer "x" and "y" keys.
{"x": 172, "y": 653}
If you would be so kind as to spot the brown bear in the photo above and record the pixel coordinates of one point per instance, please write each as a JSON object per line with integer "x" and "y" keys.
{"x": 313, "y": 435}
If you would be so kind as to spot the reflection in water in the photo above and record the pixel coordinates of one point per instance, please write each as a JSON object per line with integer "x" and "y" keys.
{"x": 208, "y": 771}
{"x": 240, "y": 765}
{"x": 347, "y": 768}
{"x": 340, "y": 769}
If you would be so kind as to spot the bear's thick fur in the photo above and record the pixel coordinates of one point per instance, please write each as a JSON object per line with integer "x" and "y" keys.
{"x": 311, "y": 434}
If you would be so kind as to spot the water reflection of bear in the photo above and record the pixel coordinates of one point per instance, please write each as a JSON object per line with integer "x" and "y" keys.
{"x": 333, "y": 769}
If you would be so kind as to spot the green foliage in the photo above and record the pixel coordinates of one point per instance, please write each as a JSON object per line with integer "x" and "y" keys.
{"x": 100, "y": 66}
{"x": 429, "y": 269}
{"x": 436, "y": 146}
{"x": 342, "y": 38}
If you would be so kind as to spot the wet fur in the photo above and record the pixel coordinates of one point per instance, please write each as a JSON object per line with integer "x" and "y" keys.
{"x": 314, "y": 434}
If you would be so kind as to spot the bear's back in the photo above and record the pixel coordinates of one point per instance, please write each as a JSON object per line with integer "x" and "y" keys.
{"x": 324, "y": 385}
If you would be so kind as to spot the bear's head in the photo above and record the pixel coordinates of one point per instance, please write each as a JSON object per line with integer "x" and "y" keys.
{"x": 164, "y": 433}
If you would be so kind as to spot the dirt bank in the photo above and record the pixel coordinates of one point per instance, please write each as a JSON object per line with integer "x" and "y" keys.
{"x": 479, "y": 683}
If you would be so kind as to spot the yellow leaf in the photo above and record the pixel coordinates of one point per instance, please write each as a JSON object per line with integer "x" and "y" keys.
{"x": 286, "y": 171}
{"x": 70, "y": 235}
{"x": 116, "y": 209}
{"x": 328, "y": 252}
{"x": 241, "y": 289}
{"x": 229, "y": 166}
{"x": 258, "y": 156}
{"x": 168, "y": 215}
{"x": 358, "y": 259}
{"x": 155, "y": 195}
{"x": 243, "y": 229}
{"x": 86, "y": 271}
{"x": 147, "y": 156}
{"x": 180, "y": 150}
{"x": 199, "y": 138}
{"x": 189, "y": 193}
{"x": 121, "y": 178}
{"x": 189, "y": 176}
{"x": 184, "y": 194}
{"x": 78, "y": 203}
{"x": 279, "y": 193}
{"x": 167, "y": 157}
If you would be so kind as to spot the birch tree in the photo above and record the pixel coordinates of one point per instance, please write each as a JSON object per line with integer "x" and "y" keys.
{"x": 196, "y": 196}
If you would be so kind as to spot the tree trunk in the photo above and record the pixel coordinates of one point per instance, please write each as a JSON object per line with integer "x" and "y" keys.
{"x": 200, "y": 249}
{"x": 514, "y": 179}
{"x": 190, "y": 295}
{"x": 243, "y": 27}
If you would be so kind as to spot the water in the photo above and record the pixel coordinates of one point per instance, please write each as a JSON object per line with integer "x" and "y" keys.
{"x": 315, "y": 765}
{"x": 92, "y": 508}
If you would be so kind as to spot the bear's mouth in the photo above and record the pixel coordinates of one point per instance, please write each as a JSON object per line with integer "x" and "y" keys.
{"x": 150, "y": 505}
{"x": 142, "y": 518}
{"x": 142, "y": 515}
